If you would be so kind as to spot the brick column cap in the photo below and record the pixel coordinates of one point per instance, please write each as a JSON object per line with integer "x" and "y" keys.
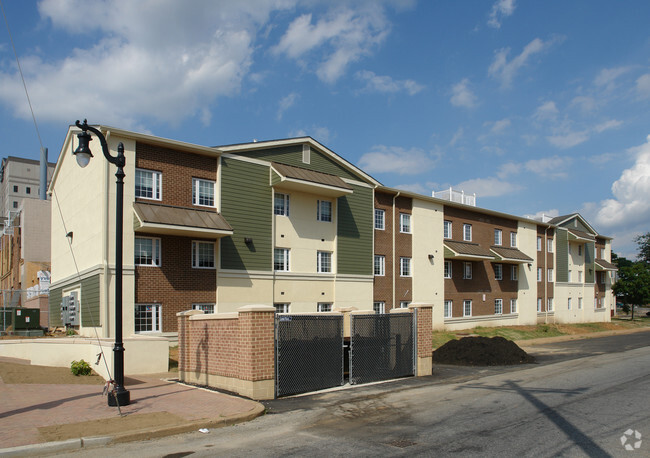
{"x": 189, "y": 312}
{"x": 363, "y": 312}
{"x": 400, "y": 310}
{"x": 420, "y": 305}
{"x": 256, "y": 308}
{"x": 345, "y": 309}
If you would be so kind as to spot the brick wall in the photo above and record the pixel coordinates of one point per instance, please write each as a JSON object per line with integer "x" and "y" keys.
{"x": 545, "y": 235}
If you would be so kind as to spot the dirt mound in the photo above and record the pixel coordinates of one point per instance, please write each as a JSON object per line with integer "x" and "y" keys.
{"x": 481, "y": 351}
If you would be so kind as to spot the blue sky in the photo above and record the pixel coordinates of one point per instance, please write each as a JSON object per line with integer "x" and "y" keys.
{"x": 538, "y": 107}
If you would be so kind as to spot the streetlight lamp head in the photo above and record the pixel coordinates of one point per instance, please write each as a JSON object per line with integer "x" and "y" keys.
{"x": 82, "y": 152}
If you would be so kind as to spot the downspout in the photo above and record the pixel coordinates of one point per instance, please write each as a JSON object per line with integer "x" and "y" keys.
{"x": 393, "y": 250}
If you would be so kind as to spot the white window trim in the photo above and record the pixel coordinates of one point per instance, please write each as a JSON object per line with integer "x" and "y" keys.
{"x": 319, "y": 260}
{"x": 445, "y": 224}
{"x": 568, "y": 303}
{"x": 580, "y": 303}
{"x": 498, "y": 237}
{"x": 284, "y": 305}
{"x": 402, "y": 217}
{"x": 465, "y": 270}
{"x": 379, "y": 306}
{"x": 540, "y": 274}
{"x": 404, "y": 304}
{"x": 402, "y": 262}
{"x": 285, "y": 204}
{"x": 449, "y": 307}
{"x": 444, "y": 269}
{"x": 539, "y": 243}
{"x": 514, "y": 273}
{"x": 498, "y": 306}
{"x": 549, "y": 304}
{"x": 156, "y": 186}
{"x": 322, "y": 307}
{"x": 465, "y": 232}
{"x": 549, "y": 275}
{"x": 286, "y": 254}
{"x": 513, "y": 239}
{"x": 513, "y": 306}
{"x": 382, "y": 265}
{"x": 319, "y": 213}
{"x": 539, "y": 304}
{"x": 465, "y": 303}
{"x": 196, "y": 184}
{"x": 498, "y": 272}
{"x": 549, "y": 245}
{"x": 383, "y": 219}
{"x": 195, "y": 254}
{"x": 155, "y": 246}
{"x": 203, "y": 306}
{"x": 155, "y": 325}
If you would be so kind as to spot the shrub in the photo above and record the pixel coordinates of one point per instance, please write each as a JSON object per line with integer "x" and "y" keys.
{"x": 80, "y": 368}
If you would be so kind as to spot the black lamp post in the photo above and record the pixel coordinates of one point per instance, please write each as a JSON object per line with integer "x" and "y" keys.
{"x": 119, "y": 396}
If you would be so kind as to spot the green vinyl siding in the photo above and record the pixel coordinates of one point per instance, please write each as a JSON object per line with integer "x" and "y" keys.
{"x": 355, "y": 232}
{"x": 90, "y": 302}
{"x": 589, "y": 263}
{"x": 275, "y": 178}
{"x": 55, "y": 307}
{"x": 561, "y": 256}
{"x": 292, "y": 155}
{"x": 246, "y": 204}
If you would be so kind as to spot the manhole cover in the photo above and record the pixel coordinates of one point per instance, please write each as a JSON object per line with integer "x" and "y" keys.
{"x": 401, "y": 443}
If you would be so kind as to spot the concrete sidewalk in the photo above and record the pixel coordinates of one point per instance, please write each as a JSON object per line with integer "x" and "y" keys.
{"x": 36, "y": 419}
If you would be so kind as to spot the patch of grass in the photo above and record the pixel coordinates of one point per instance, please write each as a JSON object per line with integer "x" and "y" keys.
{"x": 442, "y": 337}
{"x": 519, "y": 332}
{"x": 173, "y": 358}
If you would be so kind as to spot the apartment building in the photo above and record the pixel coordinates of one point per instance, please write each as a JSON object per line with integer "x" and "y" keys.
{"x": 19, "y": 179}
{"x": 290, "y": 223}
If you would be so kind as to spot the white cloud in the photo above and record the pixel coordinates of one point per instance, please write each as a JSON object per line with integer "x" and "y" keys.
{"x": 643, "y": 85}
{"x": 607, "y": 76}
{"x": 394, "y": 159}
{"x": 546, "y": 111}
{"x": 377, "y": 83}
{"x": 553, "y": 167}
{"x": 569, "y": 139}
{"x": 505, "y": 71}
{"x": 630, "y": 206}
{"x": 499, "y": 126}
{"x": 487, "y": 187}
{"x": 609, "y": 124}
{"x": 285, "y": 103}
{"x": 586, "y": 104}
{"x": 462, "y": 95}
{"x": 508, "y": 169}
{"x": 341, "y": 37}
{"x": 458, "y": 135}
{"x": 544, "y": 213}
{"x": 501, "y": 9}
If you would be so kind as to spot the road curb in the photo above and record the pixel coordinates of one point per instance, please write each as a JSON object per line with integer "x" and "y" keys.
{"x": 71, "y": 445}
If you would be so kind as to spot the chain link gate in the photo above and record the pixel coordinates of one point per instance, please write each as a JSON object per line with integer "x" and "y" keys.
{"x": 308, "y": 353}
{"x": 382, "y": 347}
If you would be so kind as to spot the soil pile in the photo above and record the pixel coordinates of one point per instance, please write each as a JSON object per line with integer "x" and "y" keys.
{"x": 481, "y": 351}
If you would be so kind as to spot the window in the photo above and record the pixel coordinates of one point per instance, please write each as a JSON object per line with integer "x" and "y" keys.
{"x": 380, "y": 219}
{"x": 549, "y": 275}
{"x": 513, "y": 305}
{"x": 324, "y": 307}
{"x": 498, "y": 271}
{"x": 447, "y": 269}
{"x": 281, "y": 307}
{"x": 539, "y": 243}
{"x": 568, "y": 304}
{"x": 539, "y": 304}
{"x": 446, "y": 231}
{"x": 603, "y": 276}
{"x": 405, "y": 223}
{"x": 380, "y": 265}
{"x": 514, "y": 273}
{"x": 404, "y": 304}
{"x": 467, "y": 232}
{"x": 599, "y": 302}
{"x": 549, "y": 245}
{"x": 448, "y": 308}
{"x": 467, "y": 270}
{"x": 281, "y": 260}
{"x": 15, "y": 188}
{"x": 405, "y": 267}
{"x": 281, "y": 204}
{"x": 306, "y": 154}
{"x": 580, "y": 276}
{"x": 467, "y": 308}
{"x": 203, "y": 255}
{"x": 15, "y": 204}
{"x": 379, "y": 307}
{"x": 202, "y": 192}
{"x": 207, "y": 308}
{"x": 147, "y": 184}
{"x": 498, "y": 236}
{"x": 324, "y": 262}
{"x": 549, "y": 304}
{"x": 579, "y": 250}
{"x": 324, "y": 210}
{"x": 579, "y": 303}
{"x": 498, "y": 306}
{"x": 147, "y": 251}
{"x": 148, "y": 318}
{"x": 28, "y": 190}
{"x": 570, "y": 276}
{"x": 539, "y": 274}
{"x": 513, "y": 239}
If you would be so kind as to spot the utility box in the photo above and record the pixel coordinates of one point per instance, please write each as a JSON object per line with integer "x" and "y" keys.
{"x": 24, "y": 319}
{"x": 70, "y": 309}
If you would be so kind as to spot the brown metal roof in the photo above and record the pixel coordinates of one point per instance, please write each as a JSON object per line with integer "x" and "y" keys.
{"x": 466, "y": 249}
{"x": 154, "y": 215}
{"x": 510, "y": 254}
{"x": 298, "y": 173}
{"x": 582, "y": 235}
{"x": 605, "y": 265}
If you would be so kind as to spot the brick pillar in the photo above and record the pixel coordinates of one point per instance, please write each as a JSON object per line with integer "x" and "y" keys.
{"x": 257, "y": 351}
{"x": 425, "y": 338}
{"x": 184, "y": 363}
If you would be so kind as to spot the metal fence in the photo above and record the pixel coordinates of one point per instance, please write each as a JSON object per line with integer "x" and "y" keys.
{"x": 382, "y": 347}
{"x": 309, "y": 353}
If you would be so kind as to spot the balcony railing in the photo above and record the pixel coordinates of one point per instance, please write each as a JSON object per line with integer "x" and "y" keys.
{"x": 456, "y": 196}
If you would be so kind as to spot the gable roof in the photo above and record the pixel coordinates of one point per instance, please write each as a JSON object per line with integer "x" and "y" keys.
{"x": 560, "y": 220}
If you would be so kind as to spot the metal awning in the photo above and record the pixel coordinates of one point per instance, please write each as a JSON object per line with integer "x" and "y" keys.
{"x": 466, "y": 251}
{"x": 601, "y": 264}
{"x": 185, "y": 222}
{"x": 510, "y": 255}
{"x": 303, "y": 180}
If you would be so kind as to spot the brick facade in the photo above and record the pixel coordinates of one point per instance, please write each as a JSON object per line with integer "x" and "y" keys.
{"x": 546, "y": 235}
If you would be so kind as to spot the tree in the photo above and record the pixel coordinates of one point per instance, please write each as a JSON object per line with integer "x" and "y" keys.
{"x": 643, "y": 242}
{"x": 633, "y": 285}
{"x": 620, "y": 261}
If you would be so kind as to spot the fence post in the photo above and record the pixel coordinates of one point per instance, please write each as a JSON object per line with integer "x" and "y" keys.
{"x": 424, "y": 338}
{"x": 184, "y": 364}
{"x": 257, "y": 351}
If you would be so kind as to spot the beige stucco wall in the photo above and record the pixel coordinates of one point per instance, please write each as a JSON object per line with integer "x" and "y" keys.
{"x": 238, "y": 288}
{"x": 35, "y": 230}
{"x": 428, "y": 282}
{"x": 354, "y": 291}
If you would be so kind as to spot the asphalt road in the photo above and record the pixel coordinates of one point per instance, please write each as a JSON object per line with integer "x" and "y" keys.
{"x": 579, "y": 401}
